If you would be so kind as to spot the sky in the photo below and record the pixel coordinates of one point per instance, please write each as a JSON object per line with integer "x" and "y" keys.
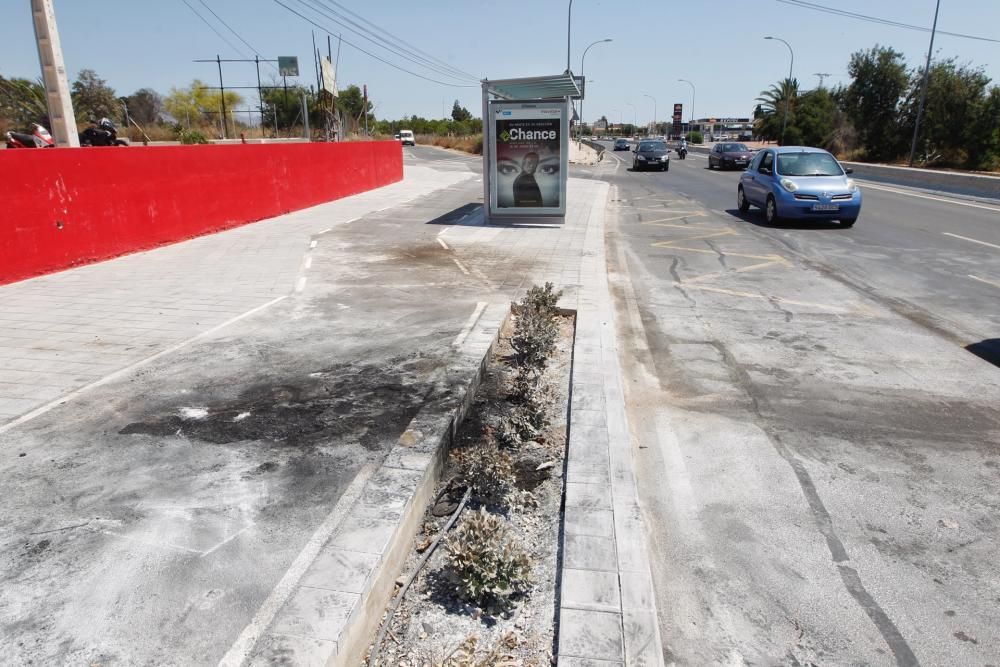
{"x": 719, "y": 46}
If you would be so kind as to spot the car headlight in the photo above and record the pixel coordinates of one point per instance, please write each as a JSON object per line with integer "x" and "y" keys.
{"x": 851, "y": 185}
{"x": 791, "y": 186}
{"x": 641, "y": 158}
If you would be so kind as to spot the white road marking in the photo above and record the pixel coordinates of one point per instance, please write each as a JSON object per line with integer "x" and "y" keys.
{"x": 128, "y": 369}
{"x": 326, "y": 230}
{"x": 869, "y": 184}
{"x": 301, "y": 284}
{"x": 461, "y": 266}
{"x": 966, "y": 238}
{"x": 443, "y": 244}
{"x": 244, "y": 644}
{"x": 984, "y": 280}
{"x": 309, "y": 263}
{"x": 313, "y": 244}
{"x": 471, "y": 322}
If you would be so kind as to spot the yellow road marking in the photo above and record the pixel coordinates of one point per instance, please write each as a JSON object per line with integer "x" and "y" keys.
{"x": 762, "y": 297}
{"x": 721, "y": 274}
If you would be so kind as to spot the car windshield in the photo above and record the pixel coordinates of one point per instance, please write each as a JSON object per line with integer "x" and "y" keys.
{"x": 652, "y": 146}
{"x": 808, "y": 164}
{"x": 735, "y": 148}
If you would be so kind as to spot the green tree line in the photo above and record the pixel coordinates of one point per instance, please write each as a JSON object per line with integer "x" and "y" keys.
{"x": 194, "y": 112}
{"x": 873, "y": 117}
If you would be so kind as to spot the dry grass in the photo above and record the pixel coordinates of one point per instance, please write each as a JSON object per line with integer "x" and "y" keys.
{"x": 471, "y": 144}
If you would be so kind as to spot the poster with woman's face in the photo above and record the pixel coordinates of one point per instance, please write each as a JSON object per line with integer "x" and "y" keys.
{"x": 529, "y": 159}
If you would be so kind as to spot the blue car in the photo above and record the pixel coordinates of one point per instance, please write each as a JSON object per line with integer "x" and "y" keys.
{"x": 799, "y": 183}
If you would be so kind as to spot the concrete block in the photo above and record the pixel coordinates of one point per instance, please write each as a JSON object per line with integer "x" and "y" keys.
{"x": 584, "y": 521}
{"x": 637, "y": 591}
{"x": 315, "y": 613}
{"x": 584, "y": 471}
{"x": 590, "y": 496}
{"x": 292, "y": 651}
{"x": 587, "y": 589}
{"x": 590, "y": 634}
{"x": 587, "y": 552}
{"x": 568, "y": 661}
{"x": 368, "y": 534}
{"x": 587, "y": 397}
{"x": 642, "y": 638}
{"x": 340, "y": 570}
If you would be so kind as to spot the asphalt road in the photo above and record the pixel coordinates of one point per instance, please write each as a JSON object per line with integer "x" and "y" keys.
{"x": 817, "y": 447}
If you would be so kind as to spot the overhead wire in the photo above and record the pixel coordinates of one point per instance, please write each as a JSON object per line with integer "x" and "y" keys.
{"x": 881, "y": 21}
{"x": 345, "y": 14}
{"x": 221, "y": 36}
{"x": 255, "y": 50}
{"x": 324, "y": 10}
{"x": 372, "y": 55}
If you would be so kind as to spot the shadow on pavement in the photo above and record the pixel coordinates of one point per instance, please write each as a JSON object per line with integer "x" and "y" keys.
{"x": 756, "y": 217}
{"x": 471, "y": 215}
{"x": 988, "y": 350}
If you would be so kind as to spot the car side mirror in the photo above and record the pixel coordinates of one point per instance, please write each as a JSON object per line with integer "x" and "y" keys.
{"x": 848, "y": 170}
{"x": 765, "y": 170}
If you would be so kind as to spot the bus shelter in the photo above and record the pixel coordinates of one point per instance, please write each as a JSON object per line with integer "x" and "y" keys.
{"x": 526, "y": 146}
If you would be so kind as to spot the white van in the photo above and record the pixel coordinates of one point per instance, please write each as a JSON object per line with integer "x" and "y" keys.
{"x": 406, "y": 137}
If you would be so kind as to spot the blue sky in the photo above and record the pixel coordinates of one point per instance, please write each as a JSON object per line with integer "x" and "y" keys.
{"x": 717, "y": 45}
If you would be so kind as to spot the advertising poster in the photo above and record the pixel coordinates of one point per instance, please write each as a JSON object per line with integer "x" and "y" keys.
{"x": 529, "y": 158}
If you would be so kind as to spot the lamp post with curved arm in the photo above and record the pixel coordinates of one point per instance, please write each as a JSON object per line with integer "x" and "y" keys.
{"x": 635, "y": 116}
{"x": 654, "y": 109}
{"x": 691, "y": 122}
{"x": 788, "y": 93}
{"x": 582, "y": 60}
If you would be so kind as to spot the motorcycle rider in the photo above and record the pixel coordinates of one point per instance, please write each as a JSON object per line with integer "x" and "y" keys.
{"x": 682, "y": 147}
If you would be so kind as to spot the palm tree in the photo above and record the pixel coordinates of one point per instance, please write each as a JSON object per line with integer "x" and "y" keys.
{"x": 772, "y": 106}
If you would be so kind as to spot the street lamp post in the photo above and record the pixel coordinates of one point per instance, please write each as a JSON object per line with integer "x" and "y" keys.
{"x": 582, "y": 58}
{"x": 569, "y": 23}
{"x": 691, "y": 122}
{"x": 619, "y": 112}
{"x": 635, "y": 116}
{"x": 654, "y": 109}
{"x": 788, "y": 93}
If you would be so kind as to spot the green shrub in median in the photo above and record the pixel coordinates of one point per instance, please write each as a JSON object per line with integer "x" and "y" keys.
{"x": 484, "y": 563}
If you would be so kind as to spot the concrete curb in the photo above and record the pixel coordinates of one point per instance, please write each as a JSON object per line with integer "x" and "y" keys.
{"x": 607, "y": 611}
{"x": 332, "y": 614}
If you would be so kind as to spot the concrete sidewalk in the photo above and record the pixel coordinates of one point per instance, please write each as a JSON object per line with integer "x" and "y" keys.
{"x": 242, "y": 430}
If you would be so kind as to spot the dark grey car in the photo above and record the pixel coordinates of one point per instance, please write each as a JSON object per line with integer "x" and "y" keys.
{"x": 651, "y": 155}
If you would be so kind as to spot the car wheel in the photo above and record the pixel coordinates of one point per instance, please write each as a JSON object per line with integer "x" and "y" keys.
{"x": 710, "y": 165}
{"x": 771, "y": 211}
{"x": 741, "y": 200}
{"x": 666, "y": 167}
{"x": 848, "y": 222}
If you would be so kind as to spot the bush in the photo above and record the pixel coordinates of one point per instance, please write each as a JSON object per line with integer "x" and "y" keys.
{"x": 695, "y": 137}
{"x": 490, "y": 473}
{"x": 544, "y": 299}
{"x": 534, "y": 339}
{"x": 191, "y": 137}
{"x": 484, "y": 564}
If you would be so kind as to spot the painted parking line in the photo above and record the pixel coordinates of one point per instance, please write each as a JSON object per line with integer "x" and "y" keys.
{"x": 443, "y": 244}
{"x": 984, "y": 280}
{"x": 908, "y": 193}
{"x": 966, "y": 238}
{"x": 469, "y": 324}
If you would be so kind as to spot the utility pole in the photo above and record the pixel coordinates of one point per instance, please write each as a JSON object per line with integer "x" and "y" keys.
{"x": 923, "y": 86}
{"x": 50, "y": 56}
{"x": 821, "y": 75}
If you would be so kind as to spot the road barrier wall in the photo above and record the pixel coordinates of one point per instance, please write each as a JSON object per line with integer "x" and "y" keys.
{"x": 68, "y": 206}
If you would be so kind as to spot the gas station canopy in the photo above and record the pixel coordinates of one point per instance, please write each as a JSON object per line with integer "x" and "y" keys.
{"x": 536, "y": 87}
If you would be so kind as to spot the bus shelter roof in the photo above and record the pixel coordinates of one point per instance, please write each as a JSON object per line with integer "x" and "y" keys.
{"x": 535, "y": 87}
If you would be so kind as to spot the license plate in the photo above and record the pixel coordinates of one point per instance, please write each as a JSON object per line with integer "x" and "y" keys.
{"x": 826, "y": 207}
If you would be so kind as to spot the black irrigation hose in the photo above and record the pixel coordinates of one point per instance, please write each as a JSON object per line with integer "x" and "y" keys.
{"x": 391, "y": 611}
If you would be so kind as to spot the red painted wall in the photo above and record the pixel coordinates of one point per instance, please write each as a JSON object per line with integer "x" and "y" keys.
{"x": 66, "y": 206}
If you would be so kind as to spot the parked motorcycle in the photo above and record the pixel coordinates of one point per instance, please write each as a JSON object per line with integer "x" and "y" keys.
{"x": 104, "y": 133}
{"x": 682, "y": 152}
{"x": 39, "y": 138}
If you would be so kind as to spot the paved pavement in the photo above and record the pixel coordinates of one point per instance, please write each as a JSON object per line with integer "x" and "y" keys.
{"x": 220, "y": 482}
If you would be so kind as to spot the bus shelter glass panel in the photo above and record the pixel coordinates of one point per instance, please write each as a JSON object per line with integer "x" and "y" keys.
{"x": 529, "y": 158}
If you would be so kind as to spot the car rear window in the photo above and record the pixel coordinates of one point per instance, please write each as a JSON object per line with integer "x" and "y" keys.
{"x": 808, "y": 164}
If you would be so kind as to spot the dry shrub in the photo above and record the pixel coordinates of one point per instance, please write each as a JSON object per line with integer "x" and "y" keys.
{"x": 484, "y": 563}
